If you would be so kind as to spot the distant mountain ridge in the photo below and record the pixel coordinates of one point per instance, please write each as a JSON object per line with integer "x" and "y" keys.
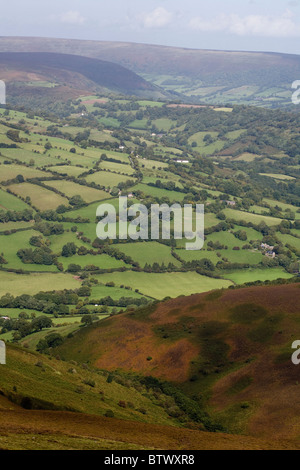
{"x": 198, "y": 75}
{"x": 144, "y": 58}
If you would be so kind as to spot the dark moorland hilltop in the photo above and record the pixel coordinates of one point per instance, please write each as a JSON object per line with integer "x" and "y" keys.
{"x": 260, "y": 78}
{"x": 71, "y": 73}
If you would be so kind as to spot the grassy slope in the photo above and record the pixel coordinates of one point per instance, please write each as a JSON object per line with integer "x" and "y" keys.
{"x": 161, "y": 285}
{"x": 51, "y": 385}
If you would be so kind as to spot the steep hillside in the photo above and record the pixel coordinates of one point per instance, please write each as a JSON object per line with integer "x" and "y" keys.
{"x": 64, "y": 76}
{"x": 34, "y": 382}
{"x": 47, "y": 404}
{"x": 260, "y": 78}
{"x": 230, "y": 349}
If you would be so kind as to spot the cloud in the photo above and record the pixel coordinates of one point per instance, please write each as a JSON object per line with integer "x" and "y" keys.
{"x": 72, "y": 17}
{"x": 251, "y": 25}
{"x": 157, "y": 18}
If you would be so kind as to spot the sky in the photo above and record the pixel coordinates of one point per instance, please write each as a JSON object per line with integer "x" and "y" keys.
{"x": 253, "y": 25}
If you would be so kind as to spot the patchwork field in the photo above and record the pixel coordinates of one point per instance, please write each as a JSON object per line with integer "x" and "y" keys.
{"x": 107, "y": 178}
{"x": 101, "y": 291}
{"x": 117, "y": 167}
{"x": 72, "y": 189}
{"x": 148, "y": 252}
{"x": 29, "y": 157}
{"x": 10, "y": 202}
{"x": 159, "y": 193}
{"x": 250, "y": 257}
{"x": 41, "y": 198}
{"x": 101, "y": 261}
{"x": 8, "y": 172}
{"x": 12, "y": 243}
{"x": 251, "y": 275}
{"x": 152, "y": 164}
{"x": 248, "y": 217}
{"x": 67, "y": 170}
{"x": 34, "y": 283}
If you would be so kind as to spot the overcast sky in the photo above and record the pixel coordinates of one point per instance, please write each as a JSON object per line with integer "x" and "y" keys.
{"x": 266, "y": 25}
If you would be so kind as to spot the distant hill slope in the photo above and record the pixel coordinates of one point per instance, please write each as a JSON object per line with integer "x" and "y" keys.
{"x": 260, "y": 78}
{"x": 146, "y": 58}
{"x": 231, "y": 349}
{"x": 66, "y": 75}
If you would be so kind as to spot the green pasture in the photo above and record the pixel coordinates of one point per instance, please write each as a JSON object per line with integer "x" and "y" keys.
{"x": 251, "y": 257}
{"x": 15, "y": 225}
{"x": 31, "y": 284}
{"x": 58, "y": 241}
{"x": 9, "y": 172}
{"x": 116, "y": 167}
{"x": 107, "y": 178}
{"x": 9, "y": 202}
{"x": 252, "y": 275}
{"x": 10, "y": 244}
{"x": 90, "y": 210}
{"x": 102, "y": 261}
{"x": 163, "y": 124}
{"x": 28, "y": 157}
{"x": 289, "y": 239}
{"x": 247, "y": 217}
{"x": 159, "y": 192}
{"x": 152, "y": 164}
{"x": 160, "y": 285}
{"x": 100, "y": 291}
{"x": 41, "y": 198}
{"x": 148, "y": 252}
{"x": 72, "y": 189}
{"x": 68, "y": 170}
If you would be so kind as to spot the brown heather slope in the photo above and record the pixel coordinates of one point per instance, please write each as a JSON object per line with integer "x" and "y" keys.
{"x": 46, "y": 429}
{"x": 231, "y": 349}
{"x": 87, "y": 428}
